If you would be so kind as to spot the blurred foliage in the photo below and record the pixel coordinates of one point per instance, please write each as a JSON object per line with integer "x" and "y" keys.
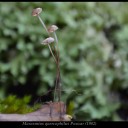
{"x": 93, "y": 46}
{"x": 12, "y": 104}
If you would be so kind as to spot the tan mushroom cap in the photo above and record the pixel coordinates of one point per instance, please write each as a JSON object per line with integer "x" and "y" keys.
{"x": 52, "y": 28}
{"x": 67, "y": 117}
{"x": 36, "y": 11}
{"x": 48, "y": 41}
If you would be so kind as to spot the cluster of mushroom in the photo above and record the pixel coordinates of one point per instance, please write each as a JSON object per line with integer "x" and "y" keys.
{"x": 48, "y": 41}
{"x": 51, "y": 29}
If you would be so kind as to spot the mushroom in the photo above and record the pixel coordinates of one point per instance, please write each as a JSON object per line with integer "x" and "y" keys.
{"x": 67, "y": 117}
{"x": 48, "y": 41}
{"x": 36, "y": 12}
{"x": 51, "y": 29}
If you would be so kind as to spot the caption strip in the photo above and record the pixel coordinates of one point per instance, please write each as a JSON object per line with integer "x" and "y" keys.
{"x": 59, "y": 123}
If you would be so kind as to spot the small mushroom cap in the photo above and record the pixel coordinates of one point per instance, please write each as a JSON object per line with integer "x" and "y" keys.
{"x": 48, "y": 41}
{"x": 67, "y": 117}
{"x": 52, "y": 28}
{"x": 36, "y": 11}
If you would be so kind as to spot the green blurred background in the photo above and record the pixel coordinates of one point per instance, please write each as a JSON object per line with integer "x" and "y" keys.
{"x": 93, "y": 42}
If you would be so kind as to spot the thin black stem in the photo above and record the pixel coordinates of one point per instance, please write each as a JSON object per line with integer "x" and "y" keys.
{"x": 58, "y": 80}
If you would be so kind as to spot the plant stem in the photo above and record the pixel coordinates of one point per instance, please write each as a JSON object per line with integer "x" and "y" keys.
{"x": 56, "y": 59}
{"x": 58, "y": 87}
{"x": 52, "y": 53}
{"x": 43, "y": 24}
{"x": 49, "y": 35}
{"x": 56, "y": 38}
{"x": 57, "y": 46}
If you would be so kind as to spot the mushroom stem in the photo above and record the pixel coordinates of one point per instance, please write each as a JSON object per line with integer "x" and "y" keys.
{"x": 56, "y": 45}
{"x": 43, "y": 24}
{"x": 55, "y": 37}
{"x": 48, "y": 34}
{"x": 55, "y": 59}
{"x": 57, "y": 87}
{"x": 52, "y": 54}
